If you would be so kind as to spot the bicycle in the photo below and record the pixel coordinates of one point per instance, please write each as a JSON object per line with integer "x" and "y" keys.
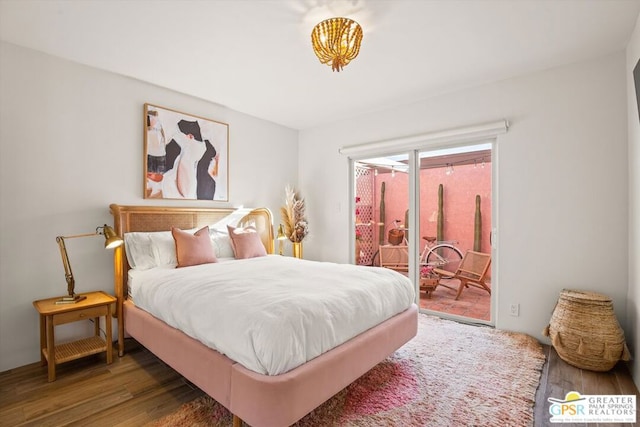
{"x": 442, "y": 254}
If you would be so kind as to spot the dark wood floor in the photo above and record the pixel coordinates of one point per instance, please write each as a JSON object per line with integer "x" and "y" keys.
{"x": 139, "y": 388}
{"x": 558, "y": 378}
{"x": 132, "y": 391}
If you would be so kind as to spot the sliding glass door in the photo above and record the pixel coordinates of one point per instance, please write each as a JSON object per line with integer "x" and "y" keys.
{"x": 455, "y": 200}
{"x": 381, "y": 212}
{"x": 420, "y": 213}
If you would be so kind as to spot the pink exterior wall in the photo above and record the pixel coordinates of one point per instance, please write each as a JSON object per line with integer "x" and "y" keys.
{"x": 460, "y": 189}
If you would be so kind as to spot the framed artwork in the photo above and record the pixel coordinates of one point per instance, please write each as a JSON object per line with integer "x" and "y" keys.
{"x": 185, "y": 157}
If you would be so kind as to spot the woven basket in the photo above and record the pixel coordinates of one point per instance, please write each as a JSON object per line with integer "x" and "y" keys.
{"x": 395, "y": 236}
{"x": 585, "y": 332}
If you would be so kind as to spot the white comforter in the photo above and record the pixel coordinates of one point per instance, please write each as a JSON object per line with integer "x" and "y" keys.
{"x": 273, "y": 313}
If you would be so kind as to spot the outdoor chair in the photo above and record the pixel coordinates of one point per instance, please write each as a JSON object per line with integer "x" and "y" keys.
{"x": 471, "y": 272}
{"x": 395, "y": 257}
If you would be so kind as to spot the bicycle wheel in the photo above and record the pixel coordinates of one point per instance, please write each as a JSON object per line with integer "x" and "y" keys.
{"x": 375, "y": 259}
{"x": 445, "y": 257}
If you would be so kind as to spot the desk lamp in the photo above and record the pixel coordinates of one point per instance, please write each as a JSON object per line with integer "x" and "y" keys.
{"x": 111, "y": 241}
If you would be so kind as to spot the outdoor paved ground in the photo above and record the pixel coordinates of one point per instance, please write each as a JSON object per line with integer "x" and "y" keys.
{"x": 474, "y": 302}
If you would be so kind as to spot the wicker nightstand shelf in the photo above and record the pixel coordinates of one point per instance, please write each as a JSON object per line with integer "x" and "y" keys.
{"x": 94, "y": 306}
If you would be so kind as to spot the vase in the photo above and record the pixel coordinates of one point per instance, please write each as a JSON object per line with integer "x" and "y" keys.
{"x": 357, "y": 258}
{"x": 297, "y": 249}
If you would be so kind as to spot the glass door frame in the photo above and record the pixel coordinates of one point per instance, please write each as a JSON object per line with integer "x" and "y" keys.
{"x": 414, "y": 209}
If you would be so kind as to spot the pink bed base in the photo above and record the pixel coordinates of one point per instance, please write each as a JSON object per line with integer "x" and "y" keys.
{"x": 263, "y": 400}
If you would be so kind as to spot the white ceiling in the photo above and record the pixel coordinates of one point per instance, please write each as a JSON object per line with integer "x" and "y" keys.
{"x": 255, "y": 56}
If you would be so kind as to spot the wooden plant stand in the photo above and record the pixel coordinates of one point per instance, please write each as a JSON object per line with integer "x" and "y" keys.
{"x": 428, "y": 285}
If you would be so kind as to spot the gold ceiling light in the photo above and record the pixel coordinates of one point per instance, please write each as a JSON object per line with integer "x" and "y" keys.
{"x": 336, "y": 41}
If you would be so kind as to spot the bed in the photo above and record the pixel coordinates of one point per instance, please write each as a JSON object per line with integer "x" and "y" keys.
{"x": 259, "y": 399}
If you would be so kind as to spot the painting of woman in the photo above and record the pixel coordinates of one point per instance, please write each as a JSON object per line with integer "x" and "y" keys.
{"x": 183, "y": 156}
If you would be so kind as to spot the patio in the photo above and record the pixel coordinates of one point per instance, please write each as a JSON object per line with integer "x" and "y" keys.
{"x": 474, "y": 302}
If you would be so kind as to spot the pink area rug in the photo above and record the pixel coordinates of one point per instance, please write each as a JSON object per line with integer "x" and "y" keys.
{"x": 450, "y": 374}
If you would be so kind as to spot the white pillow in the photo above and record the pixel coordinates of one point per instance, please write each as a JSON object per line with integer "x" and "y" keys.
{"x": 154, "y": 249}
{"x": 164, "y": 248}
{"x": 221, "y": 244}
{"x": 139, "y": 250}
{"x": 149, "y": 250}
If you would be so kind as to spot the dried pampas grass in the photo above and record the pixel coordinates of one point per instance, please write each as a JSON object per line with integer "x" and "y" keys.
{"x": 295, "y": 223}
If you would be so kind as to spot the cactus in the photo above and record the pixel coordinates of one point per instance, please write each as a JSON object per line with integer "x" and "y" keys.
{"x": 440, "y": 232}
{"x": 477, "y": 226}
{"x": 382, "y": 215}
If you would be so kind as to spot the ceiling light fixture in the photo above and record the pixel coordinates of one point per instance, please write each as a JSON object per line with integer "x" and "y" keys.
{"x": 336, "y": 41}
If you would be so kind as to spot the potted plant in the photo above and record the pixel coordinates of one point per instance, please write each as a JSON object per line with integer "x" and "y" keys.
{"x": 429, "y": 279}
{"x": 295, "y": 222}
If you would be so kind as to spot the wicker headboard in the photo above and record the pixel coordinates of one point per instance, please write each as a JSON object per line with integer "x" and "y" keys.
{"x": 162, "y": 218}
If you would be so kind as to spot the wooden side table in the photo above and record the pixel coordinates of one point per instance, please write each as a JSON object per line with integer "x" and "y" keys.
{"x": 96, "y": 305}
{"x": 429, "y": 285}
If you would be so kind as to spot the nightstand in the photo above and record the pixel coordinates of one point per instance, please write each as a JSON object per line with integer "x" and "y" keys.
{"x": 94, "y": 306}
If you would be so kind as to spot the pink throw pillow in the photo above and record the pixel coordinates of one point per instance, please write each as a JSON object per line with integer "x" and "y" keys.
{"x": 193, "y": 249}
{"x": 246, "y": 242}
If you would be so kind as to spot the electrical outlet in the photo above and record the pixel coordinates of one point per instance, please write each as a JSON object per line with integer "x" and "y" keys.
{"x": 514, "y": 310}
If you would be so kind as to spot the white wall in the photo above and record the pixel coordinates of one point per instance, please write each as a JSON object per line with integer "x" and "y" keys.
{"x": 71, "y": 143}
{"x": 633, "y": 298}
{"x": 562, "y": 181}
